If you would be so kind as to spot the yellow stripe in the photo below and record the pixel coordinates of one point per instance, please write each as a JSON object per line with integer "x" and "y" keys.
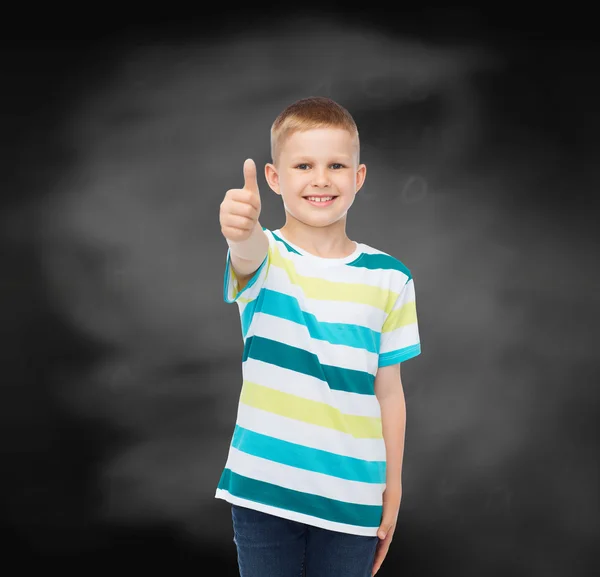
{"x": 321, "y": 289}
{"x": 308, "y": 411}
{"x": 406, "y": 315}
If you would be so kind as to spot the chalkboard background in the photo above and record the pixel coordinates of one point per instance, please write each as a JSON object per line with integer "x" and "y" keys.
{"x": 121, "y": 133}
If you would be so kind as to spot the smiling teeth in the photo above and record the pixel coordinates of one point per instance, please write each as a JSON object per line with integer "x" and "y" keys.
{"x": 319, "y": 199}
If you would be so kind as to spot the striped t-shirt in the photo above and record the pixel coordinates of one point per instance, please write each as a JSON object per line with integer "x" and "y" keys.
{"x": 308, "y": 443}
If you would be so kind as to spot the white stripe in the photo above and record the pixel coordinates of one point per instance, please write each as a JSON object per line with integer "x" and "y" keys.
{"x": 309, "y": 435}
{"x": 302, "y": 480}
{"x": 308, "y": 387}
{"x": 407, "y": 295}
{"x": 398, "y": 277}
{"x": 371, "y": 250}
{"x": 294, "y": 516}
{"x": 328, "y": 311}
{"x": 344, "y": 274}
{"x": 405, "y": 336}
{"x": 296, "y": 335}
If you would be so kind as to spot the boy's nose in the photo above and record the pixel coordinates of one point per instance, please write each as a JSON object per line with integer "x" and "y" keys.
{"x": 321, "y": 180}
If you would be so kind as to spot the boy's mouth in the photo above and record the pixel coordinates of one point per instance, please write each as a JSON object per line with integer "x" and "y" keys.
{"x": 320, "y": 200}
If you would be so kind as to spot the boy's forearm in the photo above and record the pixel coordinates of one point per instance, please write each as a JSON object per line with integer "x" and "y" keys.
{"x": 248, "y": 255}
{"x": 393, "y": 421}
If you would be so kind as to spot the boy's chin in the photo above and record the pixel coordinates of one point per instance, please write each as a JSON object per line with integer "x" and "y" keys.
{"x": 317, "y": 222}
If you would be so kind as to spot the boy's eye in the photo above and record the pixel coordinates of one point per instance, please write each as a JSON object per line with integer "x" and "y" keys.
{"x": 334, "y": 164}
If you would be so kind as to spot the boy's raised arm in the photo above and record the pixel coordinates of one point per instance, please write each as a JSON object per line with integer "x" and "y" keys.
{"x": 238, "y": 216}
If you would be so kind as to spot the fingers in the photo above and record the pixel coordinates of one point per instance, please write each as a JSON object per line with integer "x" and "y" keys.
{"x": 385, "y": 535}
{"x": 237, "y": 222}
{"x": 234, "y": 234}
{"x": 380, "y": 554}
{"x": 250, "y": 181}
{"x": 243, "y": 196}
{"x": 238, "y": 219}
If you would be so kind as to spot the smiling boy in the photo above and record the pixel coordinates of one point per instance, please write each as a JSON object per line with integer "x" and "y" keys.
{"x": 314, "y": 468}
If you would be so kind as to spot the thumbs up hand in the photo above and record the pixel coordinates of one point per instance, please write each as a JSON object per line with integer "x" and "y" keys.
{"x": 240, "y": 208}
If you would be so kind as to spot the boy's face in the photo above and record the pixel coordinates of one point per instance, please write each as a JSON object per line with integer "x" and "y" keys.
{"x": 320, "y": 162}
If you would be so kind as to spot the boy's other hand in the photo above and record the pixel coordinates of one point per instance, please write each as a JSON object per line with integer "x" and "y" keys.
{"x": 240, "y": 208}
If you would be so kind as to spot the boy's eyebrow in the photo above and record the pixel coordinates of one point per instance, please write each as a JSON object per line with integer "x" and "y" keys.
{"x": 334, "y": 157}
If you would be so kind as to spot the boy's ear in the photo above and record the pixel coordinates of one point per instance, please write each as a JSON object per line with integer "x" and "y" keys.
{"x": 272, "y": 177}
{"x": 361, "y": 174}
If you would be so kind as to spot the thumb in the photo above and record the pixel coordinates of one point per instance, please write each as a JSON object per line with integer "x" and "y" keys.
{"x": 250, "y": 182}
{"x": 384, "y": 530}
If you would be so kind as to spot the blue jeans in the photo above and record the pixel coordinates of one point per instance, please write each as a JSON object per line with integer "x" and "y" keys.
{"x": 269, "y": 546}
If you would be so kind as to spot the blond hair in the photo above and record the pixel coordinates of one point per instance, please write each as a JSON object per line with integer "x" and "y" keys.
{"x": 306, "y": 114}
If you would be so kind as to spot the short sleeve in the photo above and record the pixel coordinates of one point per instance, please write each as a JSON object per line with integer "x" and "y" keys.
{"x": 231, "y": 292}
{"x": 400, "y": 332}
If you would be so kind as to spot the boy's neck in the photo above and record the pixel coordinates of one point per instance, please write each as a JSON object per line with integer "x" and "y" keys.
{"x": 325, "y": 242}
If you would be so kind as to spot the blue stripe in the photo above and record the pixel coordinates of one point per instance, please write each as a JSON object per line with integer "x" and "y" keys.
{"x": 307, "y": 363}
{"x": 380, "y": 261}
{"x": 287, "y": 307}
{"x": 399, "y": 355}
{"x": 301, "y": 502}
{"x": 287, "y": 246}
{"x": 248, "y": 315}
{"x": 307, "y": 458}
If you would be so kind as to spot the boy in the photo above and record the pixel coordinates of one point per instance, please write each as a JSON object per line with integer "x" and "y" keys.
{"x": 313, "y": 473}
